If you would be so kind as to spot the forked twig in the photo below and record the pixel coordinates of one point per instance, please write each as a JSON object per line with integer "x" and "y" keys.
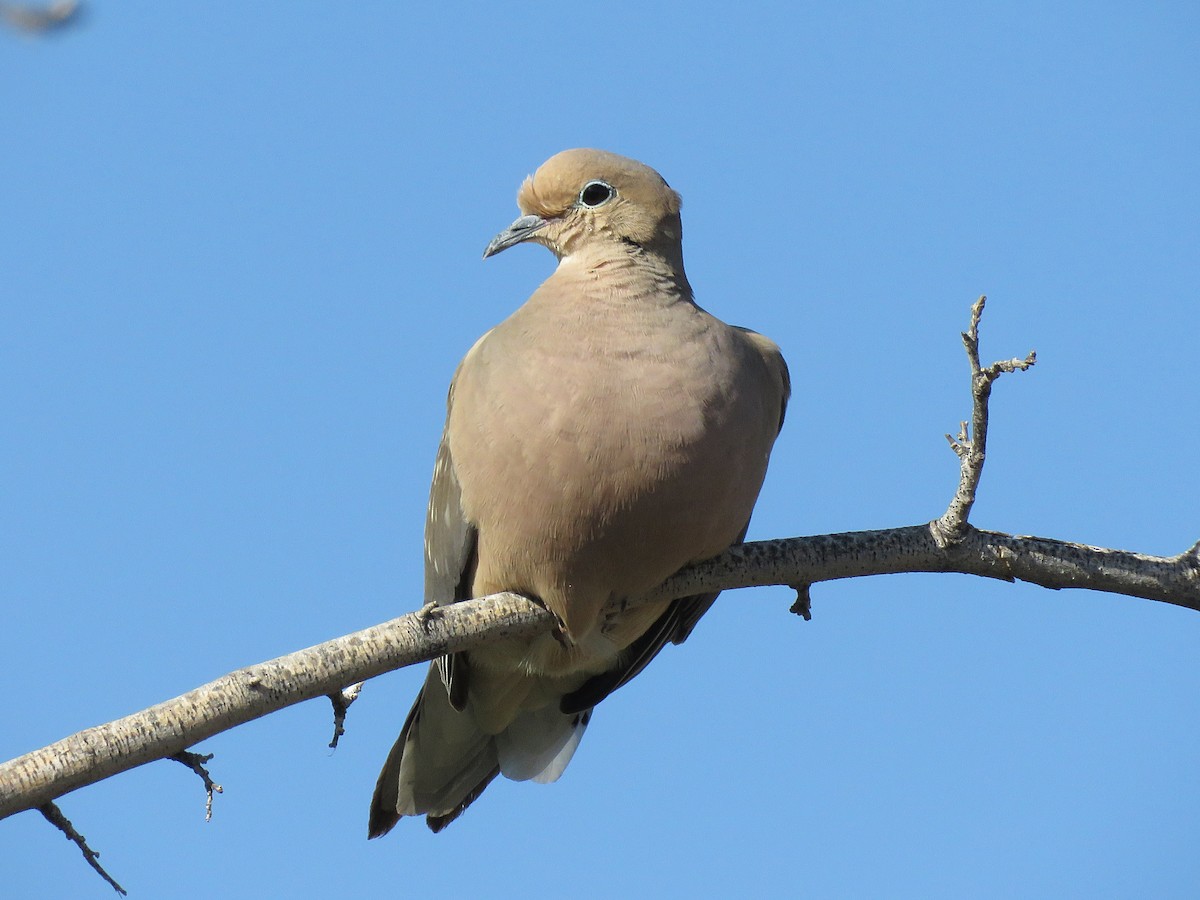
{"x": 971, "y": 443}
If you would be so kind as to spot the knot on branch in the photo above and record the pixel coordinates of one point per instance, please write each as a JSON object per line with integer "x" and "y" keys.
{"x": 1191, "y": 559}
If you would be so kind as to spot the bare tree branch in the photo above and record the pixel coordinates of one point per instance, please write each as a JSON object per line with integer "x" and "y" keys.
{"x": 246, "y": 694}
{"x": 242, "y": 696}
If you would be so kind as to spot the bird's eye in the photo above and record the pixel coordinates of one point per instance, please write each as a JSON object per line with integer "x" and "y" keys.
{"x": 596, "y": 193}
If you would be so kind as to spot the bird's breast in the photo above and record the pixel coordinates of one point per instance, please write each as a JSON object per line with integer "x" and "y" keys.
{"x": 599, "y": 454}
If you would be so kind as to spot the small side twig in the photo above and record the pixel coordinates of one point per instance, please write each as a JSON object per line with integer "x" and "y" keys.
{"x": 55, "y": 817}
{"x": 802, "y": 606}
{"x": 971, "y": 443}
{"x": 341, "y": 701}
{"x": 195, "y": 762}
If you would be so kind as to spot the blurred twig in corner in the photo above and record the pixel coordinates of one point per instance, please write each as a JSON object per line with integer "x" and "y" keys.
{"x": 40, "y": 19}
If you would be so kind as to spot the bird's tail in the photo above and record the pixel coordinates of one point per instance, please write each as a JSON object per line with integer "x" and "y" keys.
{"x": 443, "y": 760}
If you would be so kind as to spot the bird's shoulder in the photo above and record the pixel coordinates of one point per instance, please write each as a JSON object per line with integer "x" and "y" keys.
{"x": 770, "y": 353}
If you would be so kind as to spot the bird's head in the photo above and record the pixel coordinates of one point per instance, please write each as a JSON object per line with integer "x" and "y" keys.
{"x": 581, "y": 199}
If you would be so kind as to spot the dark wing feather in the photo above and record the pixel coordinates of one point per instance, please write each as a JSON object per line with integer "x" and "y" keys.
{"x": 672, "y": 627}
{"x": 450, "y": 547}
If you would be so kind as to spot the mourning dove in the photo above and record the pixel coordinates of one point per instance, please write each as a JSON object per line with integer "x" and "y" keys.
{"x": 606, "y": 434}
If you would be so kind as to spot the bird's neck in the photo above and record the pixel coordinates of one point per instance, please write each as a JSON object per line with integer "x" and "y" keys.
{"x": 657, "y": 276}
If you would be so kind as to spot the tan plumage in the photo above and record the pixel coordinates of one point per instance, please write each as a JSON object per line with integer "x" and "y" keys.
{"x": 606, "y": 434}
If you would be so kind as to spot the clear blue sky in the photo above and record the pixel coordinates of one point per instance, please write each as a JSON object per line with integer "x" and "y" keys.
{"x": 240, "y": 257}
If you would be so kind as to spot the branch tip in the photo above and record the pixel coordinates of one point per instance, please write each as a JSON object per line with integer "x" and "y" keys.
{"x": 55, "y": 817}
{"x": 962, "y": 444}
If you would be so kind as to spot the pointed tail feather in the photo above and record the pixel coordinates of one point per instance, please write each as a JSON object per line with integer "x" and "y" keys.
{"x": 439, "y": 764}
{"x": 443, "y": 760}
